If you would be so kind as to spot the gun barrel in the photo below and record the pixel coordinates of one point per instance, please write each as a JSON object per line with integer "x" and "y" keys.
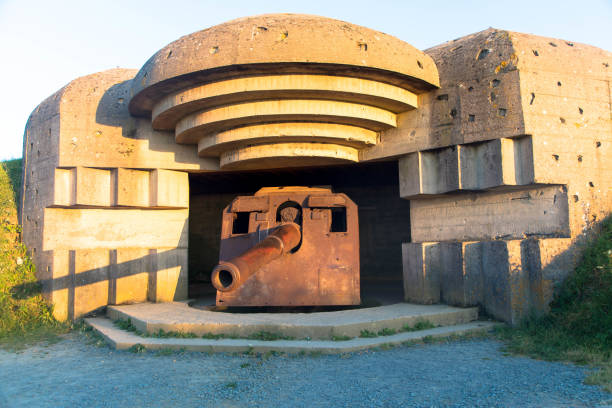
{"x": 228, "y": 275}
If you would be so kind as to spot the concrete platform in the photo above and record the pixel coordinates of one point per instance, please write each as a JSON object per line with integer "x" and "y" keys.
{"x": 122, "y": 340}
{"x": 180, "y": 317}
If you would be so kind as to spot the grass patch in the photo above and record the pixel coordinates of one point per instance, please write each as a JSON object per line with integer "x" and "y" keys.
{"x": 137, "y": 349}
{"x": 367, "y": 334}
{"x": 25, "y": 317}
{"x": 13, "y": 170}
{"x": 387, "y": 332}
{"x": 419, "y": 325}
{"x": 579, "y": 325}
{"x": 268, "y": 336}
{"x": 341, "y": 338}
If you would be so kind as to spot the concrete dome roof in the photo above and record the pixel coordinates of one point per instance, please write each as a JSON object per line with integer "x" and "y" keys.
{"x": 281, "y": 44}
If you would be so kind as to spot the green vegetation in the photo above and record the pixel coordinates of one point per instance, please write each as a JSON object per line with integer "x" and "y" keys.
{"x": 341, "y": 338}
{"x": 387, "y": 332}
{"x": 25, "y": 317}
{"x": 419, "y": 325}
{"x": 137, "y": 349}
{"x": 579, "y": 325}
{"x": 127, "y": 325}
{"x": 268, "y": 336}
{"x": 367, "y": 334}
{"x": 14, "y": 172}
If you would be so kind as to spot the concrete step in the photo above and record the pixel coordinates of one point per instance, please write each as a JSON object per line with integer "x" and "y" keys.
{"x": 122, "y": 340}
{"x": 180, "y": 317}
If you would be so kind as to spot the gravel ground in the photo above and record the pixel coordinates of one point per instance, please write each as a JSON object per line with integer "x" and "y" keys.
{"x": 470, "y": 373}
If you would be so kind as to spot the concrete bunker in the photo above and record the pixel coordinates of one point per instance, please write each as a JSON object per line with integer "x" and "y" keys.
{"x": 486, "y": 159}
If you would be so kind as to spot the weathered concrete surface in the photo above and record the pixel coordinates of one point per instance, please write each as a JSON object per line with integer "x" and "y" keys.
{"x": 514, "y": 113}
{"x": 122, "y": 340}
{"x": 178, "y": 316}
{"x": 287, "y": 43}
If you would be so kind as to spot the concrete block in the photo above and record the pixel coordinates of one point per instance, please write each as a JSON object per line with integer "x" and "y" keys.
{"x": 129, "y": 275}
{"x": 421, "y": 264}
{"x": 429, "y": 172}
{"x": 168, "y": 278}
{"x": 92, "y": 187}
{"x": 90, "y": 269}
{"x": 169, "y": 188}
{"x": 132, "y": 188}
{"x": 481, "y": 165}
{"x": 111, "y": 229}
{"x": 532, "y": 211}
{"x": 461, "y": 273}
{"x": 64, "y": 190}
{"x": 506, "y": 294}
{"x": 61, "y": 284}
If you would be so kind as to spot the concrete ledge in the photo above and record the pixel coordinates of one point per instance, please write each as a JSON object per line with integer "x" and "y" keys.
{"x": 122, "y": 340}
{"x": 179, "y": 317}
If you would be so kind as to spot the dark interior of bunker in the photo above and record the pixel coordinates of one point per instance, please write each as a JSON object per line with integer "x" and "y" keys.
{"x": 384, "y": 220}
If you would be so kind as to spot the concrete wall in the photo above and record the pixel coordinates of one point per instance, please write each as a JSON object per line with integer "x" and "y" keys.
{"x": 104, "y": 211}
{"x": 505, "y": 170}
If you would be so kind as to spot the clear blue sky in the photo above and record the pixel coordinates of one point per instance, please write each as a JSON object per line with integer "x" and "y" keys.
{"x": 46, "y": 44}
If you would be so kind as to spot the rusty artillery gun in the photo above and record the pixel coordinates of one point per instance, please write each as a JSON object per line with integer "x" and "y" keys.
{"x": 289, "y": 246}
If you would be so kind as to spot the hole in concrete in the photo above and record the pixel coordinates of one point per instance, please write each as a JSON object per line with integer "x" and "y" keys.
{"x": 575, "y": 197}
{"x": 470, "y": 89}
{"x": 226, "y": 278}
{"x": 453, "y": 113}
{"x": 605, "y": 64}
{"x": 362, "y": 46}
{"x": 501, "y": 112}
{"x": 120, "y": 100}
{"x": 471, "y": 118}
{"x": 571, "y": 44}
{"x": 241, "y": 223}
{"x": 289, "y": 211}
{"x": 552, "y": 44}
{"x": 562, "y": 120}
{"x": 535, "y": 52}
{"x": 492, "y": 96}
{"x": 443, "y": 97}
{"x": 483, "y": 53}
{"x": 419, "y": 64}
{"x": 38, "y": 153}
{"x": 580, "y": 110}
{"x": 495, "y": 83}
{"x": 580, "y": 158}
{"x": 169, "y": 54}
{"x": 597, "y": 144}
{"x": 214, "y": 49}
{"x": 338, "y": 219}
{"x": 556, "y": 157}
{"x": 591, "y": 184}
{"x": 456, "y": 48}
{"x": 558, "y": 83}
{"x": 532, "y": 98}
